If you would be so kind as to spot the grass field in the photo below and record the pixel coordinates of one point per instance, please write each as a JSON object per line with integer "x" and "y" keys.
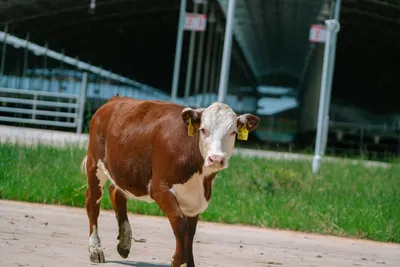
{"x": 344, "y": 199}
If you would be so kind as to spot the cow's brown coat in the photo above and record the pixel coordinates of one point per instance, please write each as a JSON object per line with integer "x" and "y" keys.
{"x": 143, "y": 141}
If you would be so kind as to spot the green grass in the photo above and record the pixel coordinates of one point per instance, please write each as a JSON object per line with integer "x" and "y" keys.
{"x": 344, "y": 199}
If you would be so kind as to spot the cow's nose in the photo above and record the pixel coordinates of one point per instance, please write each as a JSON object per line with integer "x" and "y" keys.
{"x": 216, "y": 160}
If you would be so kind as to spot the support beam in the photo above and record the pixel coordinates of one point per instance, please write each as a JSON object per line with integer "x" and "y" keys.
{"x": 331, "y": 69}
{"x": 326, "y": 84}
{"x": 190, "y": 59}
{"x": 200, "y": 56}
{"x": 210, "y": 42}
{"x": 3, "y": 54}
{"x": 214, "y": 64}
{"x": 178, "y": 51}
{"x": 26, "y": 61}
{"x": 226, "y": 56}
{"x": 82, "y": 100}
{"x": 40, "y": 51}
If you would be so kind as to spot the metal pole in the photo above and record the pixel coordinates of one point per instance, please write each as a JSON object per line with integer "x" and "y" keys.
{"x": 210, "y": 38}
{"x": 331, "y": 68}
{"x": 3, "y": 54}
{"x": 26, "y": 53}
{"x": 178, "y": 50}
{"x": 219, "y": 62}
{"x": 190, "y": 60}
{"x": 226, "y": 57}
{"x": 44, "y": 77}
{"x": 200, "y": 56}
{"x": 82, "y": 100}
{"x": 214, "y": 60}
{"x": 332, "y": 28}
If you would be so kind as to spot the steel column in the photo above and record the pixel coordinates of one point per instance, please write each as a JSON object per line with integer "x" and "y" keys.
{"x": 200, "y": 56}
{"x": 178, "y": 51}
{"x": 226, "y": 57}
{"x": 3, "y": 54}
{"x": 26, "y": 54}
{"x": 190, "y": 59}
{"x": 82, "y": 100}
{"x": 326, "y": 86}
{"x": 219, "y": 61}
{"x": 212, "y": 31}
{"x": 214, "y": 63}
{"x": 331, "y": 69}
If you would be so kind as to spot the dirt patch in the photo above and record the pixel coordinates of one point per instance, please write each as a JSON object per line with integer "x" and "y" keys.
{"x": 63, "y": 241}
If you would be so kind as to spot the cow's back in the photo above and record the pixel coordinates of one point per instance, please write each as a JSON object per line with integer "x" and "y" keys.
{"x": 136, "y": 139}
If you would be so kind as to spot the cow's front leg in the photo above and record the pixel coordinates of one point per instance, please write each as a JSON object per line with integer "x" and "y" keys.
{"x": 167, "y": 202}
{"x": 94, "y": 193}
{"x": 192, "y": 225}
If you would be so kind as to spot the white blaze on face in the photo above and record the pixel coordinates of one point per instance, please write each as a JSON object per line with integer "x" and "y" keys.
{"x": 217, "y": 135}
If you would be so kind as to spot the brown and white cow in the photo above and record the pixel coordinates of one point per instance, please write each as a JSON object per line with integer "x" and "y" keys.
{"x": 158, "y": 152}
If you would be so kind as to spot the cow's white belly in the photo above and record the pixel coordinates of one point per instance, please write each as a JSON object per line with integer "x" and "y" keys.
{"x": 190, "y": 195}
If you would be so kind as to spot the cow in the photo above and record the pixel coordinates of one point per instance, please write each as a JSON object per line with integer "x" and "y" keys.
{"x": 160, "y": 152}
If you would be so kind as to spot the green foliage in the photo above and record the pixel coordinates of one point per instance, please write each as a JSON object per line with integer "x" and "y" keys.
{"x": 344, "y": 199}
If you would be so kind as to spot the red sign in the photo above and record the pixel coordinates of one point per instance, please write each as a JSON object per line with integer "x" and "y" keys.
{"x": 195, "y": 22}
{"x": 317, "y": 33}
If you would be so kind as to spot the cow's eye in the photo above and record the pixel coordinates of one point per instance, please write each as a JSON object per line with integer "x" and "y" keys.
{"x": 233, "y": 133}
{"x": 204, "y": 131}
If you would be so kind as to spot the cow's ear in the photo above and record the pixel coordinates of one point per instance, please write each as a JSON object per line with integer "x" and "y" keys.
{"x": 192, "y": 118}
{"x": 251, "y": 121}
{"x": 193, "y": 114}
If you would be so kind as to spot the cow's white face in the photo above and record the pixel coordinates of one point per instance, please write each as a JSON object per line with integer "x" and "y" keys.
{"x": 217, "y": 128}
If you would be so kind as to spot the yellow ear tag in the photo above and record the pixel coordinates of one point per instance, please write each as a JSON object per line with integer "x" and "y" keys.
{"x": 243, "y": 133}
{"x": 190, "y": 128}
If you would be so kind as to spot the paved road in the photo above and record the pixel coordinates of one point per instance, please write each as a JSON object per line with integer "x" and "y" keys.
{"x": 57, "y": 138}
{"x": 42, "y": 235}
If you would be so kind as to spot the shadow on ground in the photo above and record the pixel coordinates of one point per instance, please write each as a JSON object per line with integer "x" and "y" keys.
{"x": 138, "y": 264}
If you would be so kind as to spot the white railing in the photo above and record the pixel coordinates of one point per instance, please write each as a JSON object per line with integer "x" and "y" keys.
{"x": 44, "y": 108}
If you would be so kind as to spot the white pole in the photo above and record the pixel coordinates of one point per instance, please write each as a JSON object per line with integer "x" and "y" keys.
{"x": 26, "y": 54}
{"x": 82, "y": 100}
{"x": 212, "y": 35}
{"x": 214, "y": 64}
{"x": 219, "y": 63}
{"x": 190, "y": 60}
{"x": 332, "y": 28}
{"x": 226, "y": 57}
{"x": 3, "y": 54}
{"x": 200, "y": 56}
{"x": 178, "y": 51}
{"x": 331, "y": 68}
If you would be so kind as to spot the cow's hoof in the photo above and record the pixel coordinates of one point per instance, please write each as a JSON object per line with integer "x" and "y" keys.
{"x": 123, "y": 252}
{"x": 125, "y": 239}
{"x": 96, "y": 255}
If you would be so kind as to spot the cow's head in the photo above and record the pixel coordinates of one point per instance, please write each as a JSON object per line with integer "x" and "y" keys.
{"x": 217, "y": 127}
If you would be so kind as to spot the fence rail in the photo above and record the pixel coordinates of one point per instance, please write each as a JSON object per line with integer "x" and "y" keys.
{"x": 43, "y": 108}
{"x": 363, "y": 137}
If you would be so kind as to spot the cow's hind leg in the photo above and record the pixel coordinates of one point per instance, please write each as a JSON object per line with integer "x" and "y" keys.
{"x": 94, "y": 193}
{"x": 118, "y": 201}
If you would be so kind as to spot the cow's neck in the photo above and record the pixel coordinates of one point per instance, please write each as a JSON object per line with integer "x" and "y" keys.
{"x": 190, "y": 159}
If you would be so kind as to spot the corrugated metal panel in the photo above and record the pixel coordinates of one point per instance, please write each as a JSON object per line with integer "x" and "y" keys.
{"x": 274, "y": 33}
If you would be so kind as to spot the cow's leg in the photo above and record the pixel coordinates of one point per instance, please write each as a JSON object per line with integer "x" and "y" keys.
{"x": 118, "y": 201}
{"x": 192, "y": 225}
{"x": 94, "y": 193}
{"x": 167, "y": 202}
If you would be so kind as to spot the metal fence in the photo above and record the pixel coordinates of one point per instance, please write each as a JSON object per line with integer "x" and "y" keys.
{"x": 33, "y": 68}
{"x": 43, "y": 108}
{"x": 364, "y": 138}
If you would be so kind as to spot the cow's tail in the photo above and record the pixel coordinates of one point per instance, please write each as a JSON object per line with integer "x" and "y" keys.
{"x": 83, "y": 165}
